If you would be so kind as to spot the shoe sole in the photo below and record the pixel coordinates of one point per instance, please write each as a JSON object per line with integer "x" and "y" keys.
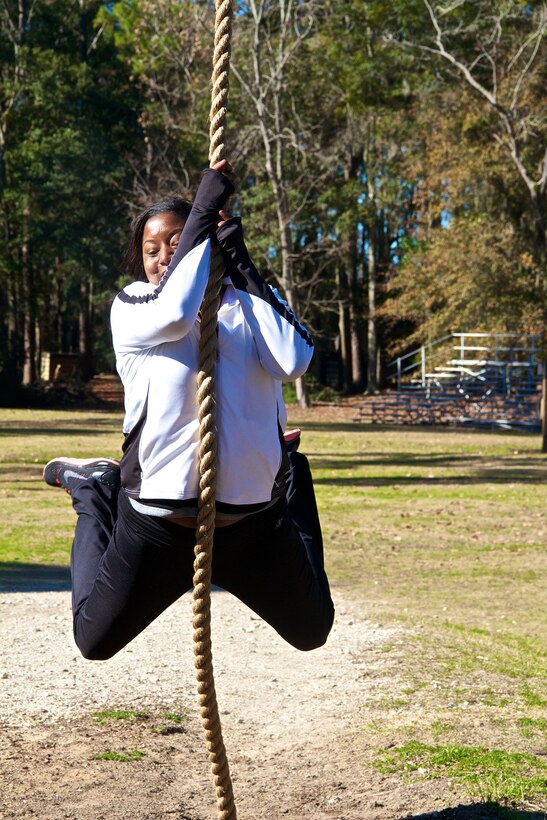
{"x": 80, "y": 462}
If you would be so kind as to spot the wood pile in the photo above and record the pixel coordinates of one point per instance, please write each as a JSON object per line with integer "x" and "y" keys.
{"x": 438, "y": 408}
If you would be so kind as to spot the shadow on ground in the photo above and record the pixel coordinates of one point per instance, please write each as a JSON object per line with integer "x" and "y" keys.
{"x": 15, "y": 577}
{"x": 364, "y": 428}
{"x": 478, "y": 811}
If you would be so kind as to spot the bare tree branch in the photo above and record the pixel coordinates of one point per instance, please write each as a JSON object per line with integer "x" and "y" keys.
{"x": 461, "y": 67}
{"x": 508, "y": 118}
{"x": 538, "y": 34}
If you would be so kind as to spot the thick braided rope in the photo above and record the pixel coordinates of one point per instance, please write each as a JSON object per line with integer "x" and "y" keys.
{"x": 208, "y": 447}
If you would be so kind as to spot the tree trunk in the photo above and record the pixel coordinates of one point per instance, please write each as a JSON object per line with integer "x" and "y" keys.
{"x": 29, "y": 329}
{"x": 544, "y": 408}
{"x": 350, "y": 261}
{"x": 29, "y": 348}
{"x": 56, "y": 340}
{"x": 272, "y": 132}
{"x": 13, "y": 362}
{"x": 372, "y": 342}
{"x": 343, "y": 330}
{"x": 355, "y": 341}
{"x": 287, "y": 274}
{"x": 85, "y": 328}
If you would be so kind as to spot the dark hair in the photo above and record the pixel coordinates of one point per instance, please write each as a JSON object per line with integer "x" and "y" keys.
{"x": 132, "y": 261}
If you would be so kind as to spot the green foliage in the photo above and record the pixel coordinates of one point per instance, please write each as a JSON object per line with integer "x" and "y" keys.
{"x": 474, "y": 256}
{"x": 167, "y": 49}
{"x": 65, "y": 120}
{"x": 396, "y": 180}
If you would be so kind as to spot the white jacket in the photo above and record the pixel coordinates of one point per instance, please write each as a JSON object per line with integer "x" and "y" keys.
{"x": 156, "y": 340}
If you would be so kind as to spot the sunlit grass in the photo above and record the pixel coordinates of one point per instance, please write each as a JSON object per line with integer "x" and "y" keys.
{"x": 37, "y": 521}
{"x": 443, "y": 533}
{"x": 490, "y": 774}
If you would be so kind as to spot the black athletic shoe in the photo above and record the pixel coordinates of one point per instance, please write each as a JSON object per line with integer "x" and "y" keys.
{"x": 67, "y": 472}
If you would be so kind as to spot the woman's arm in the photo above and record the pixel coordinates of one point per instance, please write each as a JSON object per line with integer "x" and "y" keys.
{"x": 284, "y": 345}
{"x": 142, "y": 319}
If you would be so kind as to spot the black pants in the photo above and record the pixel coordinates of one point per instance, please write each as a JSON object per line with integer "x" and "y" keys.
{"x": 127, "y": 568}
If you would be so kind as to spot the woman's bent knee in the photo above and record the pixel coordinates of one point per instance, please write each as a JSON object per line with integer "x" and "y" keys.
{"x": 315, "y": 637}
{"x": 95, "y": 652}
{"x": 92, "y": 647}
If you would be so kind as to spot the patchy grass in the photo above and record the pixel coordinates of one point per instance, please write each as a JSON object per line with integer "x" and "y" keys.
{"x": 107, "y": 715}
{"x": 441, "y": 533}
{"x": 532, "y": 698}
{"x": 162, "y": 722}
{"x": 492, "y": 775}
{"x": 121, "y": 757}
{"x": 175, "y": 717}
{"x": 129, "y": 726}
{"x": 533, "y": 727}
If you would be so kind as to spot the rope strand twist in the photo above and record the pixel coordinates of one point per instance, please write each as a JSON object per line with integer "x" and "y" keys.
{"x": 208, "y": 445}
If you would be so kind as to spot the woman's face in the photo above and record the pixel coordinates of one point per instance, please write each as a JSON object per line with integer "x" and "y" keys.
{"x": 159, "y": 239}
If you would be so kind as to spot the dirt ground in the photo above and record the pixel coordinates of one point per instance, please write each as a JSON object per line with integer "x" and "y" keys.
{"x": 293, "y": 722}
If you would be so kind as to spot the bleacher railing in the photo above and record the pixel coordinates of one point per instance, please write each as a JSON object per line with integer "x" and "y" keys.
{"x": 469, "y": 355}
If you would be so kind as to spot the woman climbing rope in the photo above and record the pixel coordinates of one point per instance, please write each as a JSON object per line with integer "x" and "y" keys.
{"x": 133, "y": 547}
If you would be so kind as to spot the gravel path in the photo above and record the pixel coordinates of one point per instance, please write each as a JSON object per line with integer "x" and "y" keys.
{"x": 291, "y": 720}
{"x": 44, "y": 678}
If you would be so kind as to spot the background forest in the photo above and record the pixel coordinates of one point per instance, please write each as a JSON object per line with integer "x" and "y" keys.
{"x": 391, "y": 159}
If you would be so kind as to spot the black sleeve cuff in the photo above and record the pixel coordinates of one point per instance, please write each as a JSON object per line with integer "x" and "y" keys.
{"x": 213, "y": 192}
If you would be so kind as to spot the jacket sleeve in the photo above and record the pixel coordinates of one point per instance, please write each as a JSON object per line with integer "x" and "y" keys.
{"x": 285, "y": 347}
{"x": 141, "y": 320}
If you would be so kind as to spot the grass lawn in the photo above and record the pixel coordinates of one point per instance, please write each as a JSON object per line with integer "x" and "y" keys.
{"x": 438, "y": 533}
{"x": 442, "y": 533}
{"x": 38, "y": 522}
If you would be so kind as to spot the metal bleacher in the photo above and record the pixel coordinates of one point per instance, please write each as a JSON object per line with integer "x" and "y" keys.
{"x": 477, "y": 379}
